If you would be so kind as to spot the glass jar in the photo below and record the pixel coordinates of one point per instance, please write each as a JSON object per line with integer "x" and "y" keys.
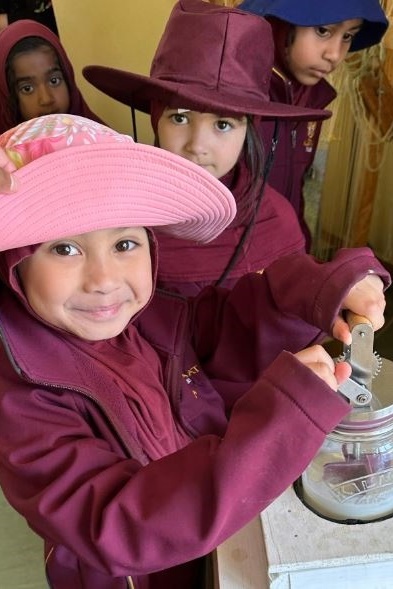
{"x": 351, "y": 477}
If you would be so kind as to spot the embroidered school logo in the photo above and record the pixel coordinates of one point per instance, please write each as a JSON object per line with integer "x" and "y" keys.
{"x": 188, "y": 374}
{"x": 309, "y": 141}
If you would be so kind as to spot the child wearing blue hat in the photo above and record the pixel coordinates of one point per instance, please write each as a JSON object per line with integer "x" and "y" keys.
{"x": 311, "y": 40}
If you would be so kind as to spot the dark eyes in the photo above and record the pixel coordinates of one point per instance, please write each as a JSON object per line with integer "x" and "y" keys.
{"x": 178, "y": 119}
{"x": 223, "y": 125}
{"x": 125, "y": 245}
{"x": 326, "y": 32}
{"x": 26, "y": 89}
{"x": 56, "y": 80}
{"x": 65, "y": 249}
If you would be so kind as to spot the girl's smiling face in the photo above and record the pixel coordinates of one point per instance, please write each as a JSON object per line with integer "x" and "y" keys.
{"x": 209, "y": 140}
{"x": 90, "y": 285}
{"x": 315, "y": 52}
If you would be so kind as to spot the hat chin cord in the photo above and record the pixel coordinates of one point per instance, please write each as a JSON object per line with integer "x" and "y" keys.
{"x": 250, "y": 225}
{"x": 133, "y": 119}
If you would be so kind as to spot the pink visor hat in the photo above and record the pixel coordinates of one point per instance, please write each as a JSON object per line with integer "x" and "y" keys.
{"x": 76, "y": 176}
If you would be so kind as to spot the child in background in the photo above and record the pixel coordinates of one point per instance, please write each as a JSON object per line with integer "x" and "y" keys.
{"x": 145, "y": 429}
{"x": 207, "y": 108}
{"x": 36, "y": 76}
{"x": 38, "y": 10}
{"x": 312, "y": 39}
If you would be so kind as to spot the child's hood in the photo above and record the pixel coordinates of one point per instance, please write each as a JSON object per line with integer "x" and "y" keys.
{"x": 9, "y": 261}
{"x": 281, "y": 31}
{"x": 300, "y": 93}
{"x": 18, "y": 31}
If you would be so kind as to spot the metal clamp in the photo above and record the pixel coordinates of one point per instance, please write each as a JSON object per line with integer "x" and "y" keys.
{"x": 358, "y": 394}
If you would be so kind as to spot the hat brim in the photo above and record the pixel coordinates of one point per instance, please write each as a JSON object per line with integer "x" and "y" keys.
{"x": 94, "y": 187}
{"x": 138, "y": 91}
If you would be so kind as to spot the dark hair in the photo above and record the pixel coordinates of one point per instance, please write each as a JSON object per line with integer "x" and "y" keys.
{"x": 258, "y": 167}
{"x": 291, "y": 35}
{"x": 254, "y": 152}
{"x": 23, "y": 46}
{"x": 245, "y": 179}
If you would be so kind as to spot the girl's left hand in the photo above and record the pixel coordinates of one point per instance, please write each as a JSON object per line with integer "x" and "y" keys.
{"x": 318, "y": 360}
{"x": 365, "y": 298}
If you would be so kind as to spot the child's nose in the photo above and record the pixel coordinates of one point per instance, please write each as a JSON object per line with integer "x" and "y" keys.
{"x": 45, "y": 95}
{"x": 335, "y": 51}
{"x": 100, "y": 276}
{"x": 197, "y": 143}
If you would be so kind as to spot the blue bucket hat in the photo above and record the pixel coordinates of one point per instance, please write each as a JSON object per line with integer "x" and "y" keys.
{"x": 311, "y": 13}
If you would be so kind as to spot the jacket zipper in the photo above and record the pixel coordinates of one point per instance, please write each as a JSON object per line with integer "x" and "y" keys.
{"x": 293, "y": 138}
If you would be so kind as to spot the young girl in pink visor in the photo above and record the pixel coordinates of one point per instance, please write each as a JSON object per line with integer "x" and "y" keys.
{"x": 139, "y": 430}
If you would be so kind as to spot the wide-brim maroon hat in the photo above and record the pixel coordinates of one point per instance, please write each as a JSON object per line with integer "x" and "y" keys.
{"x": 211, "y": 59}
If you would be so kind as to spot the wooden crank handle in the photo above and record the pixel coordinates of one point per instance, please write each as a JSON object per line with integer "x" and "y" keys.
{"x": 353, "y": 319}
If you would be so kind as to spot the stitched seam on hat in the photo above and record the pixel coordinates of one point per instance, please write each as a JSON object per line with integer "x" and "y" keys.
{"x": 222, "y": 53}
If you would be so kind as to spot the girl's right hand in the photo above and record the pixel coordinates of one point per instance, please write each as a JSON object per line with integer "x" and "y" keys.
{"x": 318, "y": 360}
{"x": 8, "y": 182}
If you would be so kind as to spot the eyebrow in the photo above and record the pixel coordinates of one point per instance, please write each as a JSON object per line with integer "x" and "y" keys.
{"x": 337, "y": 24}
{"x": 28, "y": 78}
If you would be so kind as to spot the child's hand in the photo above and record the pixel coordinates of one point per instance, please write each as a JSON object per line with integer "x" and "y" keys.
{"x": 318, "y": 360}
{"x": 365, "y": 298}
{"x": 7, "y": 179}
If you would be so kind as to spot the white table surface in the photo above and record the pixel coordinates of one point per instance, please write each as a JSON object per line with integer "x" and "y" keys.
{"x": 295, "y": 539}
